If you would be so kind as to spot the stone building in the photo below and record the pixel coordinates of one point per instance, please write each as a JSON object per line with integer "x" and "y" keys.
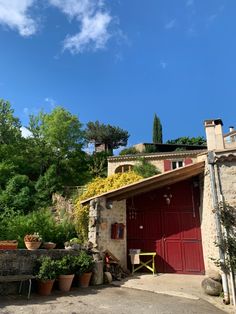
{"x": 172, "y": 213}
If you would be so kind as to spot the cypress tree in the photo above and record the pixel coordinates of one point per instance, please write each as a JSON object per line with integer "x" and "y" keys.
{"x": 157, "y": 130}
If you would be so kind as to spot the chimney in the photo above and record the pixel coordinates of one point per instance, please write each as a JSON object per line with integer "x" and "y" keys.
{"x": 214, "y": 134}
{"x": 231, "y": 129}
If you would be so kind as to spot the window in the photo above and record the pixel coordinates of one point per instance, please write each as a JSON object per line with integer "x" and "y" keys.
{"x": 124, "y": 168}
{"x": 177, "y": 164}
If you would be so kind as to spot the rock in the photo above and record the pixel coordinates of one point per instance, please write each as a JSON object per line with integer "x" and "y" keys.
{"x": 97, "y": 277}
{"x": 211, "y": 287}
{"x": 215, "y": 275}
{"x": 107, "y": 277}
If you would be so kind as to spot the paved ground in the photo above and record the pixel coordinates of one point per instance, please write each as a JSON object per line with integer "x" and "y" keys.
{"x": 185, "y": 286}
{"x": 106, "y": 299}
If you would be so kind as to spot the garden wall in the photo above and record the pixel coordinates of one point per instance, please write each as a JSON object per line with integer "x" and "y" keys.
{"x": 22, "y": 262}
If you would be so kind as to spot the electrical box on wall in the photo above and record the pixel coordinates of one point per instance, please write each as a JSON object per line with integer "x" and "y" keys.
{"x": 117, "y": 231}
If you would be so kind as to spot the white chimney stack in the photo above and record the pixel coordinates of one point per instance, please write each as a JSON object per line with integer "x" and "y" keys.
{"x": 214, "y": 134}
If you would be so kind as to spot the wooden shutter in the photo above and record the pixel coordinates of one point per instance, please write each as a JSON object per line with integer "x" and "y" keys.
{"x": 188, "y": 161}
{"x": 167, "y": 165}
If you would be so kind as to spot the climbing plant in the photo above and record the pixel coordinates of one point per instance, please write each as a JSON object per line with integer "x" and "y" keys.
{"x": 97, "y": 187}
{"x": 227, "y": 215}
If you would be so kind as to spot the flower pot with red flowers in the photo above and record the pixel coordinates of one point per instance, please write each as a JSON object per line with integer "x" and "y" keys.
{"x": 46, "y": 275}
{"x": 32, "y": 241}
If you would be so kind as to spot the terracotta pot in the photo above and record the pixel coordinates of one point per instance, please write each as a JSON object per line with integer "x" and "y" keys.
{"x": 33, "y": 245}
{"x": 84, "y": 280}
{"x": 65, "y": 282}
{"x": 8, "y": 245}
{"x": 44, "y": 287}
{"x": 49, "y": 245}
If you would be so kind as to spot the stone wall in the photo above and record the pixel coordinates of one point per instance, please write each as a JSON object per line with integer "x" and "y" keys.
{"x": 227, "y": 171}
{"x": 22, "y": 262}
{"x": 100, "y": 228}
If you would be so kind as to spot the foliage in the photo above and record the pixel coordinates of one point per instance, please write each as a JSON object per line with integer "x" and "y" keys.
{"x": 67, "y": 265}
{"x": 145, "y": 168}
{"x": 9, "y": 125}
{"x": 18, "y": 194}
{"x": 98, "y": 164}
{"x": 46, "y": 268}
{"x": 96, "y": 187}
{"x": 112, "y": 137}
{"x": 227, "y": 215}
{"x": 129, "y": 151}
{"x": 14, "y": 226}
{"x": 150, "y": 148}
{"x": 157, "y": 130}
{"x": 46, "y": 185}
{"x": 86, "y": 262}
{"x": 185, "y": 140}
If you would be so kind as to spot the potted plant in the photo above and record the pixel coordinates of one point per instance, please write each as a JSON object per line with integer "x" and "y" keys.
{"x": 46, "y": 275}
{"x": 33, "y": 241}
{"x": 66, "y": 268}
{"x": 73, "y": 244}
{"x": 86, "y": 264}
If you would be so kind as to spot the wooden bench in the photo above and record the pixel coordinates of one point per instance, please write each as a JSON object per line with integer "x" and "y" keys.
{"x": 20, "y": 278}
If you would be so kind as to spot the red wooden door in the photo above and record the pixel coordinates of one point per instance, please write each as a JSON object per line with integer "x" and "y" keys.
{"x": 167, "y": 221}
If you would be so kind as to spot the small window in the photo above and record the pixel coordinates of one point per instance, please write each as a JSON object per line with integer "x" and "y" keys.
{"x": 177, "y": 164}
{"x": 124, "y": 168}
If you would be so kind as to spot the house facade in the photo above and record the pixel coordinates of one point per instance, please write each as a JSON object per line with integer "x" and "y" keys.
{"x": 173, "y": 213}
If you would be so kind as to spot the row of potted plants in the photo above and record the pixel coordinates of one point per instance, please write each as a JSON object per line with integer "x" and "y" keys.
{"x": 64, "y": 270}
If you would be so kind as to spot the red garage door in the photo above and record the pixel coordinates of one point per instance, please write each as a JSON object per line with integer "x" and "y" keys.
{"x": 167, "y": 221}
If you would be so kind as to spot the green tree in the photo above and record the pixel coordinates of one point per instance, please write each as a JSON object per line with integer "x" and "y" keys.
{"x": 157, "y": 130}
{"x": 145, "y": 168}
{"x": 185, "y": 140}
{"x": 110, "y": 136}
{"x": 9, "y": 125}
{"x": 98, "y": 164}
{"x": 129, "y": 151}
{"x": 18, "y": 195}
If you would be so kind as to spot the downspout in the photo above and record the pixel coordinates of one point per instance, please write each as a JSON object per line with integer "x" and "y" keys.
{"x": 231, "y": 273}
{"x": 211, "y": 163}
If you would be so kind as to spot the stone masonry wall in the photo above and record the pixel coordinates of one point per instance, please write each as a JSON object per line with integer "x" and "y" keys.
{"x": 227, "y": 170}
{"x": 22, "y": 262}
{"x": 100, "y": 228}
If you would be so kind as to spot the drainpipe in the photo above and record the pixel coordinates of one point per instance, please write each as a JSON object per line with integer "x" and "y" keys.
{"x": 211, "y": 163}
{"x": 231, "y": 272}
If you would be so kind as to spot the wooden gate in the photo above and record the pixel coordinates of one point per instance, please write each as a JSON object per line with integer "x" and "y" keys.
{"x": 167, "y": 221}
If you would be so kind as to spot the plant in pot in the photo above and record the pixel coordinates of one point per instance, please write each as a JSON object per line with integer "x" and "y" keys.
{"x": 33, "y": 241}
{"x": 66, "y": 268}
{"x": 86, "y": 264}
{"x": 46, "y": 275}
{"x": 73, "y": 244}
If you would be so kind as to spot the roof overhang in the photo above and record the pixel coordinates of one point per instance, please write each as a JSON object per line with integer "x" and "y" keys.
{"x": 152, "y": 183}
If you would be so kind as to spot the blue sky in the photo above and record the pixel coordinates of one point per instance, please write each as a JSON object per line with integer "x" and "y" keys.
{"x": 121, "y": 61}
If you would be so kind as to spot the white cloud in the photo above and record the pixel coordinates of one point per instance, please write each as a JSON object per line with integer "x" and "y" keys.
{"x": 94, "y": 21}
{"x": 92, "y": 17}
{"x": 93, "y": 34}
{"x": 15, "y": 15}
{"x": 26, "y": 111}
{"x": 171, "y": 24}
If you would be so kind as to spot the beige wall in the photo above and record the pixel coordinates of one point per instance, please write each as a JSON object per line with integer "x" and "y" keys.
{"x": 156, "y": 161}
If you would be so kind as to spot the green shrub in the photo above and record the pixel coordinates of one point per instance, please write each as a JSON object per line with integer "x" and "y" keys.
{"x": 14, "y": 226}
{"x": 46, "y": 268}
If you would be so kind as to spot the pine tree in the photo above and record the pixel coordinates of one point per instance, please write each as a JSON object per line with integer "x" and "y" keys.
{"x": 157, "y": 130}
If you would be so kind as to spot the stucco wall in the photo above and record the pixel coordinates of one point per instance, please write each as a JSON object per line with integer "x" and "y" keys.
{"x": 157, "y": 161}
